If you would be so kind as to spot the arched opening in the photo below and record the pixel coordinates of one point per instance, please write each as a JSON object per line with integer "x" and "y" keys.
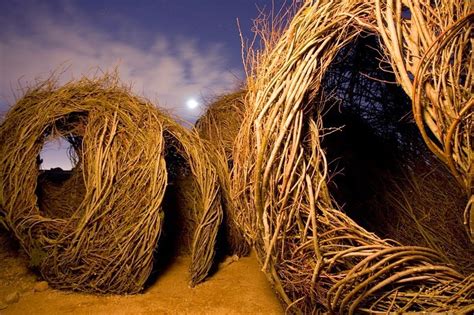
{"x": 60, "y": 185}
{"x": 368, "y": 124}
{"x": 56, "y": 154}
{"x": 178, "y": 205}
{"x": 382, "y": 174}
{"x": 182, "y": 213}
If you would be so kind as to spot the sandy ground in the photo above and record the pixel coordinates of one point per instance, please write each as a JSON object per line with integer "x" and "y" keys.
{"x": 238, "y": 287}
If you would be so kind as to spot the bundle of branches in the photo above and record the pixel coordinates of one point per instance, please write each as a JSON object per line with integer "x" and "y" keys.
{"x": 106, "y": 244}
{"x": 317, "y": 258}
{"x": 429, "y": 44}
{"x": 219, "y": 126}
{"x": 221, "y": 122}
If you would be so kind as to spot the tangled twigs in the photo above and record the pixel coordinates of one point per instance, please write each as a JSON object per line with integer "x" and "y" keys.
{"x": 219, "y": 126}
{"x": 317, "y": 258}
{"x": 430, "y": 47}
{"x": 105, "y": 243}
{"x": 444, "y": 110}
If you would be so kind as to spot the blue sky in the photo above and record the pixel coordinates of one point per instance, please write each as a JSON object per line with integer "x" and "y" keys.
{"x": 169, "y": 50}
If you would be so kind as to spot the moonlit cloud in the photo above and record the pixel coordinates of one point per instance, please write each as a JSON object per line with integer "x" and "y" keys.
{"x": 168, "y": 70}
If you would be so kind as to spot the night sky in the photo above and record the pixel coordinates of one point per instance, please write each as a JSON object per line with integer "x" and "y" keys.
{"x": 174, "y": 52}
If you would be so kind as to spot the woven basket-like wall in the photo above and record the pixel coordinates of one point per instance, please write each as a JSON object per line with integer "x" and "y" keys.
{"x": 105, "y": 242}
{"x": 317, "y": 258}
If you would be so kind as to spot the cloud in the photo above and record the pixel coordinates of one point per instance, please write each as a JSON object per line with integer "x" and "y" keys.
{"x": 166, "y": 69}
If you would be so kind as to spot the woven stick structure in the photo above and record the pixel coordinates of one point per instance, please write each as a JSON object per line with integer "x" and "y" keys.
{"x": 316, "y": 257}
{"x": 430, "y": 47}
{"x": 106, "y": 243}
{"x": 219, "y": 126}
{"x": 222, "y": 120}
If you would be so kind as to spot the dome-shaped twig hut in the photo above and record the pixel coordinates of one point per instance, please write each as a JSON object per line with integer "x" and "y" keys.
{"x": 105, "y": 241}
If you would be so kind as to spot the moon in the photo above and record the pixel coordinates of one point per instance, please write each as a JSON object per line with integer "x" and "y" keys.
{"x": 192, "y": 103}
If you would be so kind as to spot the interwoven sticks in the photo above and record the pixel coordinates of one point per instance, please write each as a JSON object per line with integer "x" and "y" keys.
{"x": 219, "y": 126}
{"x": 430, "y": 47}
{"x": 317, "y": 258}
{"x": 106, "y": 243}
{"x": 221, "y": 122}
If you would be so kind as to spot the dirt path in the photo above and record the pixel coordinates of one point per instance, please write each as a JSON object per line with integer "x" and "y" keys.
{"x": 236, "y": 288}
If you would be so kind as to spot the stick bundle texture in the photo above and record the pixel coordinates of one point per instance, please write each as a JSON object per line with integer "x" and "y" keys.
{"x": 106, "y": 243}
{"x": 317, "y": 258}
{"x": 219, "y": 126}
{"x": 430, "y": 47}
